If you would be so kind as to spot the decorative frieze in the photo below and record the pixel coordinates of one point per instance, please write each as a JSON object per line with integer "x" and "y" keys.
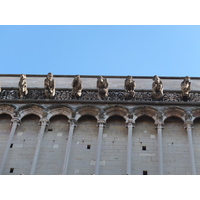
{"x": 92, "y": 95}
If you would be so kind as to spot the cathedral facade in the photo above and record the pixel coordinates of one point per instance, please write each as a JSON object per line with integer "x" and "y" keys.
{"x": 99, "y": 125}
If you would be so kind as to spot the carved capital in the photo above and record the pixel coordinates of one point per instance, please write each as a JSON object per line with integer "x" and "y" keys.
{"x": 130, "y": 123}
{"x": 72, "y": 122}
{"x": 44, "y": 122}
{"x": 15, "y": 120}
{"x": 188, "y": 124}
{"x": 101, "y": 123}
{"x": 160, "y": 124}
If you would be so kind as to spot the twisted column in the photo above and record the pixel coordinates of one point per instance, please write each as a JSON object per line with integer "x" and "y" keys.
{"x": 101, "y": 125}
{"x": 15, "y": 122}
{"x": 72, "y": 124}
{"x": 188, "y": 127}
{"x": 43, "y": 122}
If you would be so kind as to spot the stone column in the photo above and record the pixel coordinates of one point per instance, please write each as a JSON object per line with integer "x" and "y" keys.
{"x": 43, "y": 123}
{"x": 101, "y": 125}
{"x": 15, "y": 122}
{"x": 72, "y": 124}
{"x": 188, "y": 126}
{"x": 130, "y": 126}
{"x": 160, "y": 147}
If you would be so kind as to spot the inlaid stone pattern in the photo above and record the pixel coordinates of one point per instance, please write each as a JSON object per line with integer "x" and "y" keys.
{"x": 92, "y": 95}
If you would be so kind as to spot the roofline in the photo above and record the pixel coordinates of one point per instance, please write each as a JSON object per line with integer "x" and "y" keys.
{"x": 96, "y": 76}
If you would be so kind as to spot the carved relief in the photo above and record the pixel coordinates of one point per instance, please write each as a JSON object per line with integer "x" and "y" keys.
{"x": 91, "y": 95}
{"x": 102, "y": 86}
{"x": 22, "y": 86}
{"x": 185, "y": 88}
{"x": 77, "y": 87}
{"x": 157, "y": 88}
{"x": 49, "y": 86}
{"x": 129, "y": 87}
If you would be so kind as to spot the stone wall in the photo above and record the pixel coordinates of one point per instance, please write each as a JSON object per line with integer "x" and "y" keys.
{"x": 93, "y": 136}
{"x": 114, "y": 147}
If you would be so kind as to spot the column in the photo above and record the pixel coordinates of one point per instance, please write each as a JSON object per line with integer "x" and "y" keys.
{"x": 101, "y": 125}
{"x": 15, "y": 122}
{"x": 129, "y": 146}
{"x": 72, "y": 124}
{"x": 43, "y": 123}
{"x": 160, "y": 147}
{"x": 188, "y": 126}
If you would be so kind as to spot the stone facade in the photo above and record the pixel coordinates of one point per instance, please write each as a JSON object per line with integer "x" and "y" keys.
{"x": 88, "y": 135}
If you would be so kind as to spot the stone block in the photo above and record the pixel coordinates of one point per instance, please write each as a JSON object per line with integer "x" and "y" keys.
{"x": 92, "y": 162}
{"x": 147, "y": 154}
{"x": 56, "y": 146}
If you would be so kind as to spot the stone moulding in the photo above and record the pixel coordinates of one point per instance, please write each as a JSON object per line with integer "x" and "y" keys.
{"x": 92, "y": 95}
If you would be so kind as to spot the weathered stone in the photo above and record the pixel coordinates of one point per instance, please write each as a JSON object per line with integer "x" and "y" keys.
{"x": 49, "y": 86}
{"x": 185, "y": 88}
{"x": 22, "y": 86}
{"x": 157, "y": 88}
{"x": 77, "y": 87}
{"x": 129, "y": 87}
{"x": 102, "y": 86}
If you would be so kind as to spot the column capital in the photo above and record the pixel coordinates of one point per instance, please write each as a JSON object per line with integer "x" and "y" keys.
{"x": 101, "y": 123}
{"x": 160, "y": 124}
{"x": 15, "y": 120}
{"x": 188, "y": 124}
{"x": 130, "y": 123}
{"x": 72, "y": 122}
{"x": 44, "y": 122}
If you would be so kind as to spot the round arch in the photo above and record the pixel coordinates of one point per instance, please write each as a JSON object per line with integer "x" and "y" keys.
{"x": 8, "y": 109}
{"x": 195, "y": 114}
{"x": 145, "y": 111}
{"x": 60, "y": 110}
{"x": 31, "y": 109}
{"x": 117, "y": 111}
{"x": 174, "y": 112}
{"x": 87, "y": 110}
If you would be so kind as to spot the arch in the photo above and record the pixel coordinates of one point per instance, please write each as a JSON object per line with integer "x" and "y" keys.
{"x": 60, "y": 110}
{"x": 88, "y": 110}
{"x": 90, "y": 116}
{"x": 145, "y": 111}
{"x": 8, "y": 109}
{"x": 174, "y": 112}
{"x": 195, "y": 113}
{"x": 116, "y": 110}
{"x": 32, "y": 109}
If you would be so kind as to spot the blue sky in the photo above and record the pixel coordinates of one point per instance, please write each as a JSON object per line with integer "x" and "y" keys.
{"x": 101, "y": 50}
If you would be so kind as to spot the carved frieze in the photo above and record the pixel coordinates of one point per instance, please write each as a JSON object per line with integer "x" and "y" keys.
{"x": 92, "y": 95}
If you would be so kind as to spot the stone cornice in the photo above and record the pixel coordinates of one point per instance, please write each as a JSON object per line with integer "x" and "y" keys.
{"x": 96, "y": 76}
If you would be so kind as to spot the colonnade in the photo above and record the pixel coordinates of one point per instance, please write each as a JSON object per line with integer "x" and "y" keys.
{"x": 130, "y": 123}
